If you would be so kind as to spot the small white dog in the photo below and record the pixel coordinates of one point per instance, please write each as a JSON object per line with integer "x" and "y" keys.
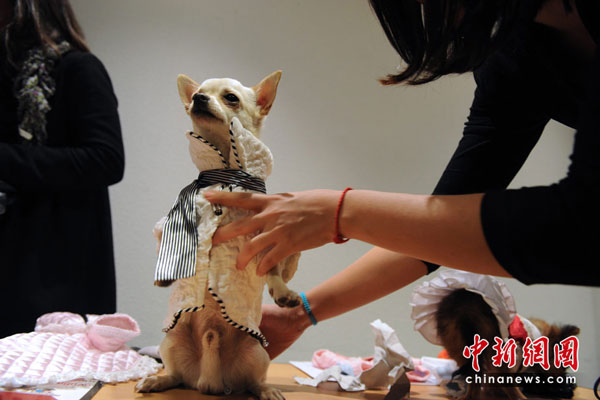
{"x": 212, "y": 340}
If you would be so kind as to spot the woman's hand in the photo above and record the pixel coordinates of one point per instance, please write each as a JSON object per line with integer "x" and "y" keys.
{"x": 282, "y": 327}
{"x": 285, "y": 223}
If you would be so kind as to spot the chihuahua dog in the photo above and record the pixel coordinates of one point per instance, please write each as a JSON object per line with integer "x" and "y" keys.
{"x": 461, "y": 315}
{"x": 213, "y": 343}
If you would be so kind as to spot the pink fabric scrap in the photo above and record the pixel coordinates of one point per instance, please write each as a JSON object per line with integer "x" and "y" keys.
{"x": 324, "y": 359}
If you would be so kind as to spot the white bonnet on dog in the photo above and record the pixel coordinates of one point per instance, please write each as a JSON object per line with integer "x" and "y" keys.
{"x": 425, "y": 300}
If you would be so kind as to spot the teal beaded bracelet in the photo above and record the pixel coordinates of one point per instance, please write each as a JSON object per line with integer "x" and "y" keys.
{"x": 312, "y": 318}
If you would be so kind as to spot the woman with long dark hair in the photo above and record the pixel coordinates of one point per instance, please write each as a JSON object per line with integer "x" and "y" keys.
{"x": 533, "y": 61}
{"x": 60, "y": 149}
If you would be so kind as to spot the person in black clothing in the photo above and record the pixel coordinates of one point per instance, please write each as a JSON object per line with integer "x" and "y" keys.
{"x": 533, "y": 60}
{"x": 60, "y": 149}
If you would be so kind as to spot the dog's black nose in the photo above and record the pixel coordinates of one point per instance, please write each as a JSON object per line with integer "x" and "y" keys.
{"x": 200, "y": 98}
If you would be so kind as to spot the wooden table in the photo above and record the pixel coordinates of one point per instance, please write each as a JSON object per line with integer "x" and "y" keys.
{"x": 281, "y": 376}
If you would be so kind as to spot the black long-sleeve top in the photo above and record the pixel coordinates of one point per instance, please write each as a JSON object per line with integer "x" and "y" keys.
{"x": 543, "y": 234}
{"x": 56, "y": 248}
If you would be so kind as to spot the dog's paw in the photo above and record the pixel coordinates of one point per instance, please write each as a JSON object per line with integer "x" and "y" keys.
{"x": 271, "y": 393}
{"x": 156, "y": 383}
{"x": 288, "y": 298}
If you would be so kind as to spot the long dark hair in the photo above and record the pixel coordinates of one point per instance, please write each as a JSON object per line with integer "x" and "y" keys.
{"x": 40, "y": 22}
{"x": 440, "y": 37}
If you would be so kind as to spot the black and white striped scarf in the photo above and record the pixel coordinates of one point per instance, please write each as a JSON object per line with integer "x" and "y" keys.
{"x": 179, "y": 244}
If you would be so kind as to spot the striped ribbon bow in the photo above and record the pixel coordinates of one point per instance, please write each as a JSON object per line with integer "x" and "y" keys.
{"x": 179, "y": 244}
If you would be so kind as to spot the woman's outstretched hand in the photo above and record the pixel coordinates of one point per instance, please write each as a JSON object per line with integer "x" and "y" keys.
{"x": 285, "y": 223}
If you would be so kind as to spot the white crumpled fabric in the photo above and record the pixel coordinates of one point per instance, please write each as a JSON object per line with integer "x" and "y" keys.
{"x": 64, "y": 348}
{"x": 348, "y": 383}
{"x": 240, "y": 290}
{"x": 425, "y": 299}
{"x": 390, "y": 359}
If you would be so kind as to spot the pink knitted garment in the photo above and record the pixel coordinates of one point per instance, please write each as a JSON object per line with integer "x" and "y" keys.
{"x": 63, "y": 347}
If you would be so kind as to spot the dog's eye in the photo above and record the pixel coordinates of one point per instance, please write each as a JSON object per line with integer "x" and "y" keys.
{"x": 231, "y": 98}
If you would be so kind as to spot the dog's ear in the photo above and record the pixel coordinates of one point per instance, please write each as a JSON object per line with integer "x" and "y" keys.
{"x": 266, "y": 91}
{"x": 186, "y": 86}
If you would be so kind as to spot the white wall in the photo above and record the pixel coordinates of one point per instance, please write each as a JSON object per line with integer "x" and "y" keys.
{"x": 332, "y": 126}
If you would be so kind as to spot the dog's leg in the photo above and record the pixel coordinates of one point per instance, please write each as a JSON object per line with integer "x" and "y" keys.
{"x": 281, "y": 294}
{"x": 171, "y": 379}
{"x": 180, "y": 356}
{"x": 276, "y": 278}
{"x": 250, "y": 370}
{"x": 266, "y": 392}
{"x": 157, "y": 383}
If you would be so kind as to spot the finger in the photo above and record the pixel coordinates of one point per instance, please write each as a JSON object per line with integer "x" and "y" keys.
{"x": 239, "y": 227}
{"x": 253, "y": 247}
{"x": 271, "y": 259}
{"x": 248, "y": 201}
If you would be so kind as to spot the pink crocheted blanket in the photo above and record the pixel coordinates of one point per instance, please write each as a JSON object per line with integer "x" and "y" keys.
{"x": 64, "y": 347}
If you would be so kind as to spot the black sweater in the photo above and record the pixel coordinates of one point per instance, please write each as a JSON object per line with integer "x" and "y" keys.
{"x": 544, "y": 234}
{"x": 56, "y": 249}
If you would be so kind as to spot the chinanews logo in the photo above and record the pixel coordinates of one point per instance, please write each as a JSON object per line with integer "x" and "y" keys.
{"x": 534, "y": 352}
{"x": 520, "y": 379}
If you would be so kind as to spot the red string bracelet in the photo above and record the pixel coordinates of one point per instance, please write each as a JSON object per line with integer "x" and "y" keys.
{"x": 338, "y": 238}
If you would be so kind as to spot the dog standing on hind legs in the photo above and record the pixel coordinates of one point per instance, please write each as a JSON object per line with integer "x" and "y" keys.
{"x": 213, "y": 343}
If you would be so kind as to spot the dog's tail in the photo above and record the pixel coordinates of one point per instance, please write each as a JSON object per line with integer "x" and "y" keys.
{"x": 210, "y": 380}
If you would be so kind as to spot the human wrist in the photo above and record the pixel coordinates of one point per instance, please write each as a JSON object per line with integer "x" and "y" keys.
{"x": 301, "y": 317}
{"x": 307, "y": 309}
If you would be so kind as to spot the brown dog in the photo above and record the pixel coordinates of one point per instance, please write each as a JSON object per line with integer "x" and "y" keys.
{"x": 212, "y": 345}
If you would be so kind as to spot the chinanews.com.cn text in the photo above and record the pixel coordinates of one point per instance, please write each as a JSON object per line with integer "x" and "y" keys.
{"x": 519, "y": 379}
